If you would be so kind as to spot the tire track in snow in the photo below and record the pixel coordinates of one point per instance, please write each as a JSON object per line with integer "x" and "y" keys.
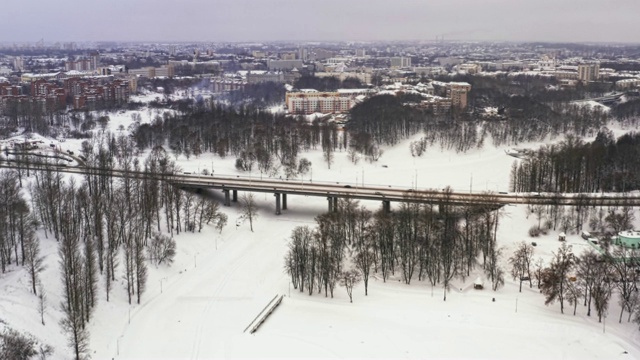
{"x": 216, "y": 295}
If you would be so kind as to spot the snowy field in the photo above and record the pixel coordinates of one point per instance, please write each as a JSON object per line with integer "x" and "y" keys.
{"x": 199, "y": 307}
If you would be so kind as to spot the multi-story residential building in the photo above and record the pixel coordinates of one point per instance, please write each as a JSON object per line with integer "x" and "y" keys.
{"x": 288, "y": 56}
{"x": 79, "y": 65}
{"x": 364, "y": 77}
{"x": 400, "y": 62}
{"x": 165, "y": 71}
{"x": 469, "y": 68}
{"x": 18, "y": 63}
{"x": 284, "y": 64}
{"x": 261, "y": 76}
{"x": 309, "y": 102}
{"x": 226, "y": 85}
{"x": 588, "y": 72}
{"x": 457, "y": 92}
{"x": 628, "y": 83}
{"x": 147, "y": 72}
{"x": 436, "y": 104}
{"x": 6, "y": 89}
{"x": 151, "y": 72}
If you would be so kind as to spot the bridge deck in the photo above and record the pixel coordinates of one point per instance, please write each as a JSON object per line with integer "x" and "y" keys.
{"x": 367, "y": 192}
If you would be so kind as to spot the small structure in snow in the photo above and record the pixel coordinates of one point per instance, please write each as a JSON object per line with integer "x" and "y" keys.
{"x": 562, "y": 236}
{"x": 478, "y": 284}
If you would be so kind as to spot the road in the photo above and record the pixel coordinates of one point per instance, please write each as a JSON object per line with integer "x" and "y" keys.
{"x": 366, "y": 192}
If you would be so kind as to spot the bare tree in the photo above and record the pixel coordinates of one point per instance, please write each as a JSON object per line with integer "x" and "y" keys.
{"x": 249, "y": 208}
{"x": 349, "y": 279}
{"x": 575, "y": 292}
{"x": 221, "y": 221}
{"x": 42, "y": 301}
{"x": 602, "y": 288}
{"x": 555, "y": 277}
{"x": 162, "y": 249}
{"x": 32, "y": 259}
{"x": 16, "y": 346}
{"x": 364, "y": 243}
{"x": 521, "y": 263}
{"x": 624, "y": 270}
{"x": 587, "y": 266}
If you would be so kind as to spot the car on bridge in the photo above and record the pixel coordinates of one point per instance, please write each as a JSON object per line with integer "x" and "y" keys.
{"x": 348, "y": 186}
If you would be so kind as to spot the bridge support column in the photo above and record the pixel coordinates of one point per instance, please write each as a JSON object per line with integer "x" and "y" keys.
{"x": 277, "y": 195}
{"x": 335, "y": 204}
{"x": 386, "y": 206}
{"x": 284, "y": 201}
{"x": 234, "y": 194}
{"x": 227, "y": 199}
{"x": 330, "y": 199}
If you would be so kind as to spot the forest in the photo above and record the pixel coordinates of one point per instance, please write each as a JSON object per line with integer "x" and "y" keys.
{"x": 441, "y": 243}
{"x": 106, "y": 227}
{"x": 604, "y": 165}
{"x": 434, "y": 243}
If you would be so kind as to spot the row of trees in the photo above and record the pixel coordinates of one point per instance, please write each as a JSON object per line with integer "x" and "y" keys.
{"x": 105, "y": 226}
{"x": 605, "y": 164}
{"x": 434, "y": 243}
{"x": 593, "y": 278}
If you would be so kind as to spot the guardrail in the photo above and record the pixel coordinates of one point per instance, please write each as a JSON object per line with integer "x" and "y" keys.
{"x": 264, "y": 314}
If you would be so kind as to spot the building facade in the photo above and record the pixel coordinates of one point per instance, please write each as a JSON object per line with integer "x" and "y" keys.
{"x": 304, "y": 103}
{"x": 400, "y": 62}
{"x": 458, "y": 91}
{"x": 588, "y": 72}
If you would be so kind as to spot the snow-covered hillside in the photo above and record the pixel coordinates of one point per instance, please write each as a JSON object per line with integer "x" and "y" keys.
{"x": 199, "y": 307}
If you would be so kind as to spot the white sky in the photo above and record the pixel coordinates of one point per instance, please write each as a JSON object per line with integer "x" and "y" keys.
{"x": 260, "y": 20}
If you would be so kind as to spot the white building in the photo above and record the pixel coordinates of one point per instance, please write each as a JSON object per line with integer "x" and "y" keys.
{"x": 588, "y": 72}
{"x": 309, "y": 102}
{"x": 400, "y": 62}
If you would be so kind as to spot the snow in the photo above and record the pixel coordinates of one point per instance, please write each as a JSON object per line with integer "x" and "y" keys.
{"x": 199, "y": 307}
{"x": 592, "y": 105}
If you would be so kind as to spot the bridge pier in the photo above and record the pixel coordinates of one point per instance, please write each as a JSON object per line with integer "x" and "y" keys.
{"x": 386, "y": 206}
{"x": 333, "y": 204}
{"x": 277, "y": 195}
{"x": 227, "y": 199}
{"x": 284, "y": 201}
{"x": 235, "y": 196}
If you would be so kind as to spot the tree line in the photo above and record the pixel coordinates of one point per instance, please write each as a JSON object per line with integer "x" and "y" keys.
{"x": 104, "y": 226}
{"x": 574, "y": 166}
{"x": 434, "y": 243}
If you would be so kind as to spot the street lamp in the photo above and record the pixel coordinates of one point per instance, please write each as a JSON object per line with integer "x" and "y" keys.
{"x": 118, "y": 345}
{"x": 161, "y": 280}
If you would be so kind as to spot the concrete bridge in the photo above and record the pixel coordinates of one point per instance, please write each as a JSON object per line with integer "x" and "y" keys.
{"x": 332, "y": 191}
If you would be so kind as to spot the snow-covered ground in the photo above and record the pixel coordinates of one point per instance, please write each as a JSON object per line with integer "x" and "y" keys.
{"x": 199, "y": 307}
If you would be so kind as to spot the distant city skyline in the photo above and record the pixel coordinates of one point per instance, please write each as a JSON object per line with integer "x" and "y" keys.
{"x": 329, "y": 20}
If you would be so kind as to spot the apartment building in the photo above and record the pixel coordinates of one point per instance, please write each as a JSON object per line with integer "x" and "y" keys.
{"x": 400, "y": 62}
{"x": 284, "y": 64}
{"x": 588, "y": 72}
{"x": 309, "y": 102}
{"x": 457, "y": 92}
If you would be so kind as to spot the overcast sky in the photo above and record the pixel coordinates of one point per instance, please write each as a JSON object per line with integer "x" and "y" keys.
{"x": 263, "y": 20}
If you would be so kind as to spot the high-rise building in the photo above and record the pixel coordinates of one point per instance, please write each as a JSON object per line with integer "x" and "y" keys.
{"x": 94, "y": 60}
{"x": 400, "y": 62}
{"x": 18, "y": 63}
{"x": 588, "y": 72}
{"x": 458, "y": 91}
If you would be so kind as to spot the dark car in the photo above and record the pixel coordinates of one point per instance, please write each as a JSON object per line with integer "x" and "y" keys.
{"x": 378, "y": 193}
{"x": 348, "y": 186}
